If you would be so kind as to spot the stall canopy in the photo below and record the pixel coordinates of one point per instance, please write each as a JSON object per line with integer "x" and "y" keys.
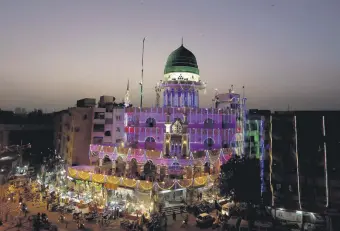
{"x": 111, "y": 186}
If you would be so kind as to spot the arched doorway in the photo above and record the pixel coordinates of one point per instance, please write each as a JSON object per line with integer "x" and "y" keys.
{"x": 106, "y": 167}
{"x": 107, "y": 161}
{"x": 133, "y": 168}
{"x": 149, "y": 170}
{"x": 207, "y": 168}
{"x": 120, "y": 167}
{"x": 208, "y": 144}
{"x": 162, "y": 172}
{"x": 150, "y": 143}
{"x": 196, "y": 171}
{"x": 150, "y": 122}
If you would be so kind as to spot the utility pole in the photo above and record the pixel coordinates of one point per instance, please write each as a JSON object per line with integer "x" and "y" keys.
{"x": 142, "y": 77}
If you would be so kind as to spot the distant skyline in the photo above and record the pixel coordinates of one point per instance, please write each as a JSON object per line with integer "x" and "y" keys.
{"x": 285, "y": 52}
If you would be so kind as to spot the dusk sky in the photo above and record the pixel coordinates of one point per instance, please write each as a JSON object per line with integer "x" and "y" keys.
{"x": 285, "y": 52}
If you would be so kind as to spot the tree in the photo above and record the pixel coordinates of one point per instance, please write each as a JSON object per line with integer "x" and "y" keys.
{"x": 240, "y": 179}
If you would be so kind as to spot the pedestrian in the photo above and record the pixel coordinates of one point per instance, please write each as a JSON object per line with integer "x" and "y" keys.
{"x": 174, "y": 215}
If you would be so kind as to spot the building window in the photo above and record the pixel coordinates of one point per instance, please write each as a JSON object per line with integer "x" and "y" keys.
{"x": 118, "y": 118}
{"x": 85, "y": 117}
{"x": 253, "y": 127}
{"x": 108, "y": 121}
{"x": 76, "y": 129}
{"x": 107, "y": 133}
{"x": 118, "y": 129}
{"x": 252, "y": 139}
{"x": 98, "y": 128}
{"x": 99, "y": 115}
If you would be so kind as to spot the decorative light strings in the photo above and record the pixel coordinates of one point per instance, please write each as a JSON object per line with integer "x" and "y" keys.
{"x": 139, "y": 184}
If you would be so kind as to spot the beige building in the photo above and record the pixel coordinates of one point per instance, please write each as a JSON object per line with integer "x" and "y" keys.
{"x": 74, "y": 134}
{"x": 76, "y": 128}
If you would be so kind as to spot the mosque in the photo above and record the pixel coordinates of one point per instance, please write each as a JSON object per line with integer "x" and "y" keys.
{"x": 170, "y": 151}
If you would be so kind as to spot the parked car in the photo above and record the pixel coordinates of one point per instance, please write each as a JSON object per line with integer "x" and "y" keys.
{"x": 204, "y": 219}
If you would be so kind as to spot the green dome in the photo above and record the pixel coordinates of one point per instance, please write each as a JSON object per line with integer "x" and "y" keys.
{"x": 181, "y": 60}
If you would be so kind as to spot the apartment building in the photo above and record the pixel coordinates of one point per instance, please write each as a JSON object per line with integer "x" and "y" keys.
{"x": 73, "y": 133}
{"x": 108, "y": 122}
{"x": 257, "y": 145}
{"x": 79, "y": 127}
{"x": 305, "y": 166}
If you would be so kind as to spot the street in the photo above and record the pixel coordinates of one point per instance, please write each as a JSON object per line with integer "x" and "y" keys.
{"x": 35, "y": 208}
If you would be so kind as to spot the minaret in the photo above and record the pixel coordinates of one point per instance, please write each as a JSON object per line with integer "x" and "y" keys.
{"x": 127, "y": 95}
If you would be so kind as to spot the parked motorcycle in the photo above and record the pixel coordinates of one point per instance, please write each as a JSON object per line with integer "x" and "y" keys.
{"x": 90, "y": 216}
{"x": 76, "y": 216}
{"x": 80, "y": 225}
{"x": 61, "y": 218}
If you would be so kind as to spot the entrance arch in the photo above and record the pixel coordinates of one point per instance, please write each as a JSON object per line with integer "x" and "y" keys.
{"x": 133, "y": 167}
{"x": 150, "y": 143}
{"x": 120, "y": 167}
{"x": 149, "y": 169}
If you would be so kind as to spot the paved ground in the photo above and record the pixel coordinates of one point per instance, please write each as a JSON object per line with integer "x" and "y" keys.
{"x": 40, "y": 207}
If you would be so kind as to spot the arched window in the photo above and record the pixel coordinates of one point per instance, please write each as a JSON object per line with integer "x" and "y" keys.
{"x": 208, "y": 144}
{"x": 150, "y": 122}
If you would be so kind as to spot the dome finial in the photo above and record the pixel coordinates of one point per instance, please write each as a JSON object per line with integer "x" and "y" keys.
{"x": 182, "y": 40}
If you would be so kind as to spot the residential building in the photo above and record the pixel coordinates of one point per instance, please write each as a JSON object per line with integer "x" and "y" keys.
{"x": 257, "y": 145}
{"x": 77, "y": 128}
{"x": 73, "y": 134}
{"x": 305, "y": 166}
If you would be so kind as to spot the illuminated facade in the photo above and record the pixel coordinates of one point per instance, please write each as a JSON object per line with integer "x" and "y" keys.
{"x": 180, "y": 125}
{"x": 175, "y": 146}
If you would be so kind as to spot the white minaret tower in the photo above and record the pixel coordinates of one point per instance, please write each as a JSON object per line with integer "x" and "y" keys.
{"x": 127, "y": 95}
